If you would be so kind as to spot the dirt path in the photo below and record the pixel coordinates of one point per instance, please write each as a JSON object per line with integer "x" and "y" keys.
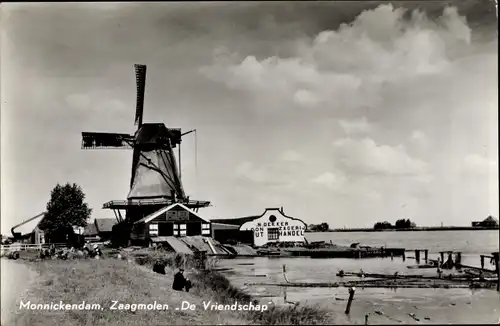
{"x": 16, "y": 277}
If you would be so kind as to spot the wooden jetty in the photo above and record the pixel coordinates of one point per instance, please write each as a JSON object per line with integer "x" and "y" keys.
{"x": 387, "y": 284}
{"x": 345, "y": 252}
{"x": 396, "y": 280}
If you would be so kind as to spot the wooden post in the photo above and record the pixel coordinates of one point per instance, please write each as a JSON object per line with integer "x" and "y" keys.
{"x": 417, "y": 255}
{"x": 392, "y": 255}
{"x": 404, "y": 256}
{"x": 458, "y": 260}
{"x": 284, "y": 274}
{"x": 482, "y": 261}
{"x": 442, "y": 257}
{"x": 426, "y": 254}
{"x": 351, "y": 296}
{"x": 497, "y": 268}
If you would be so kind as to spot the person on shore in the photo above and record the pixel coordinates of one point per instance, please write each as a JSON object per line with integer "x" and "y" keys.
{"x": 159, "y": 267}
{"x": 180, "y": 282}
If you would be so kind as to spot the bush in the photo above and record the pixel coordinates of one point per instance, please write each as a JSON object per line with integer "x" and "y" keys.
{"x": 383, "y": 226}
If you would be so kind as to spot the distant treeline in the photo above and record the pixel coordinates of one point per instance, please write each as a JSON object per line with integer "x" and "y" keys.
{"x": 420, "y": 228}
{"x": 399, "y": 225}
{"x": 323, "y": 227}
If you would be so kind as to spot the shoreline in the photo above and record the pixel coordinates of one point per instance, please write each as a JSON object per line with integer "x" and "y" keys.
{"x": 442, "y": 306}
{"x": 420, "y": 229}
{"x": 130, "y": 280}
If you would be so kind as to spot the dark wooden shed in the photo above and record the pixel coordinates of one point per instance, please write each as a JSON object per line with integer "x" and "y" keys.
{"x": 175, "y": 220}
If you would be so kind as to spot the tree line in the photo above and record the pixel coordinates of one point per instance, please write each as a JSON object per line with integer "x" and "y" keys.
{"x": 323, "y": 227}
{"x": 399, "y": 225}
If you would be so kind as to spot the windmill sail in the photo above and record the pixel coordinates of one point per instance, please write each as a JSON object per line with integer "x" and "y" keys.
{"x": 140, "y": 78}
{"x": 93, "y": 140}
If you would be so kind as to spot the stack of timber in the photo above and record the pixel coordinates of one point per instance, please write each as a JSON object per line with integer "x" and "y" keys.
{"x": 175, "y": 244}
{"x": 373, "y": 280}
{"x": 241, "y": 250}
{"x": 194, "y": 244}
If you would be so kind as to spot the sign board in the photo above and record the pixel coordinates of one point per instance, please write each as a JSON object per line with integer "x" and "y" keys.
{"x": 274, "y": 226}
{"x": 177, "y": 215}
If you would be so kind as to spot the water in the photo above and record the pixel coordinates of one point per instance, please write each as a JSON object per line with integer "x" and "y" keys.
{"x": 467, "y": 242}
{"x": 270, "y": 270}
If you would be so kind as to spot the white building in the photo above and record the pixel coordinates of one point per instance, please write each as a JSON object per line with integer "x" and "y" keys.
{"x": 274, "y": 226}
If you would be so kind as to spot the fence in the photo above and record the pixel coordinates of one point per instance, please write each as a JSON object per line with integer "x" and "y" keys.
{"x": 24, "y": 246}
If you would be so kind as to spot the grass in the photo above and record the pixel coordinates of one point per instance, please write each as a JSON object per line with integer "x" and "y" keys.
{"x": 212, "y": 284}
{"x": 128, "y": 281}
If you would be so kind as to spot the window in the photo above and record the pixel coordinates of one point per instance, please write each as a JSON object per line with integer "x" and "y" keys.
{"x": 273, "y": 234}
{"x": 205, "y": 229}
{"x": 153, "y": 229}
{"x": 183, "y": 215}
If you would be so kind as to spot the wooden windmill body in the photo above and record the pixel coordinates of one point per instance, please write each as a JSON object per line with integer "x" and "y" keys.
{"x": 155, "y": 181}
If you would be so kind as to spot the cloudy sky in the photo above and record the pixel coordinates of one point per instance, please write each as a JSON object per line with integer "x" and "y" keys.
{"x": 348, "y": 113}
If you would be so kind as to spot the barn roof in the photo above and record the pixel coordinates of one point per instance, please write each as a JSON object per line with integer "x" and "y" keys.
{"x": 154, "y": 215}
{"x": 235, "y": 221}
{"x": 104, "y": 224}
{"x": 90, "y": 229}
{"x": 223, "y": 226}
{"x": 29, "y": 225}
{"x": 490, "y": 219}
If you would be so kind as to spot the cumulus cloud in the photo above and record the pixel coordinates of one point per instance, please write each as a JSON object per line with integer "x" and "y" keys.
{"x": 349, "y": 66}
{"x": 266, "y": 175}
{"x": 358, "y": 126}
{"x": 417, "y": 79}
{"x": 330, "y": 180}
{"x": 367, "y": 157}
{"x": 417, "y": 136}
{"x": 291, "y": 156}
{"x": 479, "y": 165}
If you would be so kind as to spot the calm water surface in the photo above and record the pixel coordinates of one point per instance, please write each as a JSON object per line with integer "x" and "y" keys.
{"x": 269, "y": 270}
{"x": 467, "y": 242}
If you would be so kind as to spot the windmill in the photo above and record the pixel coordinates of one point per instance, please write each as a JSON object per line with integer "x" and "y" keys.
{"x": 155, "y": 180}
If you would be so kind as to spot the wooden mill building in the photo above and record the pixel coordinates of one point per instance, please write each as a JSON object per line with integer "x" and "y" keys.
{"x": 175, "y": 220}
